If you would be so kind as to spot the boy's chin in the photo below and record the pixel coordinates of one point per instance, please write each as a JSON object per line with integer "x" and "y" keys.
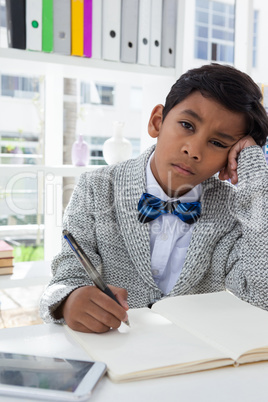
{"x": 179, "y": 191}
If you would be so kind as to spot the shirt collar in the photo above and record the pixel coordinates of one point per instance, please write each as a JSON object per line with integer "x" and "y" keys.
{"x": 152, "y": 187}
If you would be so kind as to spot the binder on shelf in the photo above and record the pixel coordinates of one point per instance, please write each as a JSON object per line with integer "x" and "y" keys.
{"x": 129, "y": 30}
{"x": 34, "y": 25}
{"x": 62, "y": 26}
{"x": 169, "y": 27}
{"x": 156, "y": 30}
{"x": 144, "y": 32}
{"x": 16, "y": 27}
{"x": 77, "y": 29}
{"x": 111, "y": 29}
{"x": 47, "y": 26}
{"x": 88, "y": 28}
{"x": 96, "y": 29}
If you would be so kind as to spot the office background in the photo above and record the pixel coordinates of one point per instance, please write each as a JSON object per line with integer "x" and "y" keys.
{"x": 47, "y": 100}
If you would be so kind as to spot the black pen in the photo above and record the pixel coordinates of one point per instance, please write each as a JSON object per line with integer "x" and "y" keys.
{"x": 89, "y": 268}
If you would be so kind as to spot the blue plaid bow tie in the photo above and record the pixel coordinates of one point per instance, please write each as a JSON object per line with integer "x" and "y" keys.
{"x": 151, "y": 207}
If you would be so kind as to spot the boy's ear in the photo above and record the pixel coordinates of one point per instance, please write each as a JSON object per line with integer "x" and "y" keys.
{"x": 155, "y": 121}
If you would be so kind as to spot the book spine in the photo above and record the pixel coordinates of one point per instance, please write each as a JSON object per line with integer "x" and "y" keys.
{"x": 144, "y": 32}
{"x": 155, "y": 34}
{"x": 77, "y": 28}
{"x": 6, "y": 262}
{"x": 111, "y": 29}
{"x": 6, "y": 270}
{"x": 169, "y": 33}
{"x": 47, "y": 26}
{"x": 129, "y": 30}
{"x": 34, "y": 25}
{"x": 16, "y": 25}
{"x": 96, "y": 29}
{"x": 62, "y": 26}
{"x": 88, "y": 28}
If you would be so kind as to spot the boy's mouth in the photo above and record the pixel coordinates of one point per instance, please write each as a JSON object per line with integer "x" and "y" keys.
{"x": 183, "y": 169}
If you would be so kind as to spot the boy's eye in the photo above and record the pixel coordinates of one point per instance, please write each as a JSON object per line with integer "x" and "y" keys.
{"x": 186, "y": 125}
{"x": 218, "y": 144}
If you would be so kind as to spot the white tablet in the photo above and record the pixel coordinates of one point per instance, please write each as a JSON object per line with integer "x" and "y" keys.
{"x": 47, "y": 378}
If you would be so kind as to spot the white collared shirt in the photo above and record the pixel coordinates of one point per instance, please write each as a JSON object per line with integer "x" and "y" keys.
{"x": 169, "y": 236}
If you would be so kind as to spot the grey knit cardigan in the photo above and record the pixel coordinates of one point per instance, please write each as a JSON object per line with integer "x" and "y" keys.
{"x": 228, "y": 249}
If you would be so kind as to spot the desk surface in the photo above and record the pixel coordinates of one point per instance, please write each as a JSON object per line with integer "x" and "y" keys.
{"x": 246, "y": 383}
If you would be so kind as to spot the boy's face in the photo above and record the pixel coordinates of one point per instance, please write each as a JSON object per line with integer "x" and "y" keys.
{"x": 193, "y": 142}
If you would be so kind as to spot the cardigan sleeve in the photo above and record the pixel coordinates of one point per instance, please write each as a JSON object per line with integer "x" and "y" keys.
{"x": 68, "y": 274}
{"x": 247, "y": 267}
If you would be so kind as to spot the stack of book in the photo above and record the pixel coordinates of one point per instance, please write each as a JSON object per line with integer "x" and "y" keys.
{"x": 131, "y": 31}
{"x": 6, "y": 258}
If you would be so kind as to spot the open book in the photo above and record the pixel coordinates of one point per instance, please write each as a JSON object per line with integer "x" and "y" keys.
{"x": 180, "y": 335}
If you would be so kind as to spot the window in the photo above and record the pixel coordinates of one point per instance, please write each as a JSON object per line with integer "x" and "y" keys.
{"x": 214, "y": 31}
{"x": 19, "y": 87}
{"x": 21, "y": 138}
{"x": 106, "y": 94}
{"x": 95, "y": 150}
{"x": 94, "y": 93}
{"x": 21, "y": 143}
{"x": 100, "y": 105}
{"x": 255, "y": 38}
{"x": 19, "y": 148}
{"x": 21, "y": 214}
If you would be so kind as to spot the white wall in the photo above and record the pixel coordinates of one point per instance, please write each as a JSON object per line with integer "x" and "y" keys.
{"x": 260, "y": 73}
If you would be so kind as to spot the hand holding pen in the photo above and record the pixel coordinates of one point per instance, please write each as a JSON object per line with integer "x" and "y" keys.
{"x": 88, "y": 309}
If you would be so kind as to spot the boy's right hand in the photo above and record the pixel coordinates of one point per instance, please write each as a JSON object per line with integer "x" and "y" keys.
{"x": 88, "y": 309}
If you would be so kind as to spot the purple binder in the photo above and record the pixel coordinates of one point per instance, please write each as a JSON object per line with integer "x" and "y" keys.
{"x": 87, "y": 28}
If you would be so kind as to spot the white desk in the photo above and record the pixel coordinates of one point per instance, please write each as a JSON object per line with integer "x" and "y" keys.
{"x": 30, "y": 273}
{"x": 246, "y": 383}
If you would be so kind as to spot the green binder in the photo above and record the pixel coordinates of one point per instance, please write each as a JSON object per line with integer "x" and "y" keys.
{"x": 47, "y": 27}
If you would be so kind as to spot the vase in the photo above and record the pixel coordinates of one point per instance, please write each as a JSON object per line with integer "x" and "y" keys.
{"x": 117, "y": 148}
{"x": 17, "y": 160}
{"x": 80, "y": 152}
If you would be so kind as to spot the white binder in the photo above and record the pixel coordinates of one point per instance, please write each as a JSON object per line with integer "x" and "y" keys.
{"x": 169, "y": 28}
{"x": 62, "y": 26}
{"x": 129, "y": 30}
{"x": 34, "y": 25}
{"x": 111, "y": 29}
{"x": 96, "y": 29}
{"x": 156, "y": 32}
{"x": 144, "y": 32}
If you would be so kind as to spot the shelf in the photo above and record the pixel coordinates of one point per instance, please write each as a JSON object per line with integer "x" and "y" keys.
{"x": 74, "y": 61}
{"x": 62, "y": 171}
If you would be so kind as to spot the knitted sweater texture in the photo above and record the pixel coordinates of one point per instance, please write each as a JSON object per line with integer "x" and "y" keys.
{"x": 228, "y": 248}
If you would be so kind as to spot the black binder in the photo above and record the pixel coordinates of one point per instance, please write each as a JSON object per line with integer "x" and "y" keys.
{"x": 16, "y": 24}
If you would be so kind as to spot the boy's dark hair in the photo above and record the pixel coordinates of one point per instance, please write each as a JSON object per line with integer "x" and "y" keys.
{"x": 228, "y": 86}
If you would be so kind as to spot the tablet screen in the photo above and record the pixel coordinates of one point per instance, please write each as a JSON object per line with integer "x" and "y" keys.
{"x": 42, "y": 372}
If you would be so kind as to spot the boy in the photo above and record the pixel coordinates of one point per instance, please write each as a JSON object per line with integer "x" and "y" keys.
{"x": 212, "y": 122}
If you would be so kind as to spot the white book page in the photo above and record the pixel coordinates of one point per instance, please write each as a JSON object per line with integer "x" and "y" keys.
{"x": 152, "y": 341}
{"x": 220, "y": 318}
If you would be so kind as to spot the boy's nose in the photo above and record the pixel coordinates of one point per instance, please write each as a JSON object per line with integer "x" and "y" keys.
{"x": 193, "y": 151}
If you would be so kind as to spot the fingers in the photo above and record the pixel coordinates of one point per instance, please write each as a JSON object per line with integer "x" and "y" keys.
{"x": 121, "y": 295}
{"x": 230, "y": 170}
{"x": 87, "y": 309}
{"x": 224, "y": 175}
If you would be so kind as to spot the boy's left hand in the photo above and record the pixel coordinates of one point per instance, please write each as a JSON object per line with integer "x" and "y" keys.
{"x": 230, "y": 170}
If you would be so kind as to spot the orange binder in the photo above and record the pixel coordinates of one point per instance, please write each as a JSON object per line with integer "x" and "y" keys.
{"x": 77, "y": 28}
